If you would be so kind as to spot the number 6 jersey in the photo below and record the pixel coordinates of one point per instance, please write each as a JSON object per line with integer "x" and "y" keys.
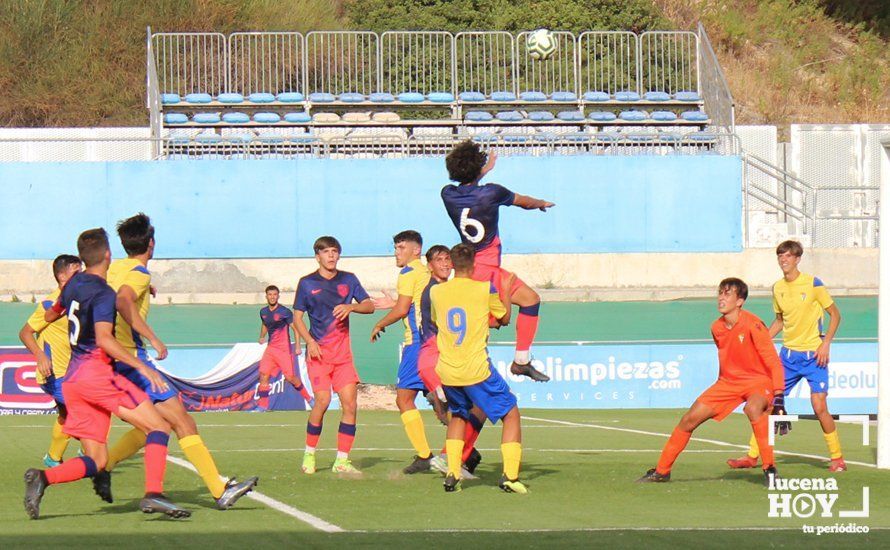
{"x": 473, "y": 210}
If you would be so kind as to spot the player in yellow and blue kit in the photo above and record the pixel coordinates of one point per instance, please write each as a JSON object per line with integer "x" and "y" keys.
{"x": 52, "y": 352}
{"x": 800, "y": 301}
{"x": 131, "y": 280}
{"x": 461, "y": 308}
{"x": 413, "y": 279}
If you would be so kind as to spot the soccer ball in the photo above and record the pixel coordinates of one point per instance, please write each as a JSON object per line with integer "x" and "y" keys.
{"x": 541, "y": 44}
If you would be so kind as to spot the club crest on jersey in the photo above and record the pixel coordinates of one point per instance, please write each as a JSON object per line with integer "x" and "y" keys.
{"x": 343, "y": 290}
{"x": 741, "y": 338}
{"x": 803, "y": 296}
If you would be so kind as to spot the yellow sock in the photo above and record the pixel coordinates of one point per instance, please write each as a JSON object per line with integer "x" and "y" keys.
{"x": 455, "y": 450}
{"x": 126, "y": 446}
{"x": 834, "y": 444}
{"x": 512, "y": 453}
{"x": 754, "y": 451}
{"x": 416, "y": 433}
{"x": 199, "y": 456}
{"x": 58, "y": 443}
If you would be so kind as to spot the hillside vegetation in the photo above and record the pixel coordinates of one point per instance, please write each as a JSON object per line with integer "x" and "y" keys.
{"x": 82, "y": 62}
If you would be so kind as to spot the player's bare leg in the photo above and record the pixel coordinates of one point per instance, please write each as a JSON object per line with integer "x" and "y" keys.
{"x": 346, "y": 432}
{"x": 829, "y": 431}
{"x": 511, "y": 449}
{"x": 414, "y": 430}
{"x": 313, "y": 428}
{"x": 526, "y": 326}
{"x": 697, "y": 414}
{"x": 757, "y": 409}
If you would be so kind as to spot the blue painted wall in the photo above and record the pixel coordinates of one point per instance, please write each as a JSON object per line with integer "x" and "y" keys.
{"x": 276, "y": 208}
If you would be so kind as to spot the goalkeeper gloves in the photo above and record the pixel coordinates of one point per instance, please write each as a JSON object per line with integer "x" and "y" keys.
{"x": 782, "y": 427}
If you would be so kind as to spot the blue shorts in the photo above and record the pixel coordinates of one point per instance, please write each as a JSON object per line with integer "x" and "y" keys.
{"x": 409, "y": 376}
{"x": 492, "y": 395}
{"x": 802, "y": 364}
{"x": 53, "y": 387}
{"x": 142, "y": 382}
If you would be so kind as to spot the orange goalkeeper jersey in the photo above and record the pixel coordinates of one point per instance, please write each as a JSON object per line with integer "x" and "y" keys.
{"x": 746, "y": 351}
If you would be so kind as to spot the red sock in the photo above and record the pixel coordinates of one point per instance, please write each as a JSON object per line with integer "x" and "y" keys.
{"x": 71, "y": 470}
{"x": 471, "y": 434}
{"x": 313, "y": 432}
{"x": 155, "y": 461}
{"x": 672, "y": 450}
{"x": 526, "y": 326}
{"x": 345, "y": 437}
{"x": 303, "y": 391}
{"x": 263, "y": 394}
{"x": 761, "y": 433}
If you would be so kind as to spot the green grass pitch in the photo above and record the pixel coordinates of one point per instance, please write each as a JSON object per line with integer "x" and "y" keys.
{"x": 580, "y": 465}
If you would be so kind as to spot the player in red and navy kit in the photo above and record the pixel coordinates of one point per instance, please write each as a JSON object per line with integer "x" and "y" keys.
{"x": 473, "y": 208}
{"x": 280, "y": 354}
{"x": 329, "y": 296}
{"x": 93, "y": 391}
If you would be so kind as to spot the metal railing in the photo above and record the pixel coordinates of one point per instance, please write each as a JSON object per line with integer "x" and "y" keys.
{"x": 795, "y": 200}
{"x": 188, "y": 62}
{"x": 153, "y": 96}
{"x": 416, "y": 61}
{"x": 556, "y": 74}
{"x": 340, "y": 62}
{"x": 270, "y": 62}
{"x": 484, "y": 62}
{"x": 608, "y": 62}
{"x": 714, "y": 89}
{"x": 669, "y": 61}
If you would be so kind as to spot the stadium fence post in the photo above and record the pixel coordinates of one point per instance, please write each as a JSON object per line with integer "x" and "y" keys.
{"x": 884, "y": 318}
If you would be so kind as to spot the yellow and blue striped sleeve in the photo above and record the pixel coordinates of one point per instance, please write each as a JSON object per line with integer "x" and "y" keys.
{"x": 820, "y": 292}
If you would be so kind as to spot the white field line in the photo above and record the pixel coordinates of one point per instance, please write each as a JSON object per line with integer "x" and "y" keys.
{"x": 699, "y": 439}
{"x": 594, "y": 530}
{"x": 305, "y": 517}
{"x": 492, "y": 449}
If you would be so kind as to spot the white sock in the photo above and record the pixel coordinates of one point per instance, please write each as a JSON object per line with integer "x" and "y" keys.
{"x": 342, "y": 455}
{"x": 310, "y": 450}
{"x": 522, "y": 357}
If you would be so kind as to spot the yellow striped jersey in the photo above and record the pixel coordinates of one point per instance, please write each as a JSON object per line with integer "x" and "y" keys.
{"x": 413, "y": 278}
{"x": 130, "y": 272}
{"x": 802, "y": 303}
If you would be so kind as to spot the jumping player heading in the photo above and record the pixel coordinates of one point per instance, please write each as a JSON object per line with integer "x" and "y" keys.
{"x": 473, "y": 208}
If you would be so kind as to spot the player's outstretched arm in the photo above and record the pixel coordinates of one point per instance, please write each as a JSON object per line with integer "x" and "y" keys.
{"x": 531, "y": 203}
{"x": 398, "y": 312}
{"x": 44, "y": 365}
{"x": 126, "y": 306}
{"x": 105, "y": 339}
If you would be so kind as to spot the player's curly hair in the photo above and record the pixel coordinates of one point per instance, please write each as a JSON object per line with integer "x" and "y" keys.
{"x": 136, "y": 234}
{"x": 465, "y": 162}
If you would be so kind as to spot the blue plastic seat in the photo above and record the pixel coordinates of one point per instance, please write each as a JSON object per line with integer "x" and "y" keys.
{"x": 570, "y": 116}
{"x": 579, "y": 137}
{"x": 270, "y": 138}
{"x": 541, "y": 116}
{"x": 410, "y": 97}
{"x": 563, "y": 96}
{"x": 239, "y": 138}
{"x": 381, "y": 97}
{"x": 170, "y": 99}
{"x": 657, "y": 96}
{"x": 440, "y": 97}
{"x": 533, "y": 96}
{"x": 304, "y": 138}
{"x": 649, "y": 136}
{"x": 176, "y": 118}
{"x": 198, "y": 98}
{"x": 352, "y": 97}
{"x": 503, "y": 96}
{"x": 633, "y": 116}
{"x": 208, "y": 138}
{"x": 694, "y": 116}
{"x": 298, "y": 118}
{"x": 267, "y": 118}
{"x": 321, "y": 97}
{"x": 545, "y": 137}
{"x": 687, "y": 96}
{"x": 596, "y": 96}
{"x": 478, "y": 116}
{"x": 235, "y": 118}
{"x": 608, "y": 136}
{"x": 486, "y": 137}
{"x": 669, "y": 136}
{"x": 701, "y": 136}
{"x": 230, "y": 97}
{"x": 602, "y": 116}
{"x": 206, "y": 118}
{"x": 290, "y": 97}
{"x": 471, "y": 97}
{"x": 261, "y": 97}
{"x": 510, "y": 116}
{"x": 627, "y": 96}
{"x": 515, "y": 138}
{"x": 663, "y": 116}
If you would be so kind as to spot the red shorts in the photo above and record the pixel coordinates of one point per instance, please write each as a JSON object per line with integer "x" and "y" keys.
{"x": 426, "y": 364}
{"x": 94, "y": 394}
{"x": 277, "y": 360}
{"x": 325, "y": 376}
{"x": 725, "y": 396}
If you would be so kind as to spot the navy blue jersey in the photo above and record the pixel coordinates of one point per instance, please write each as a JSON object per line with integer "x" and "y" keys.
{"x": 277, "y": 322}
{"x": 318, "y": 297}
{"x": 88, "y": 300}
{"x": 428, "y": 327}
{"x": 473, "y": 210}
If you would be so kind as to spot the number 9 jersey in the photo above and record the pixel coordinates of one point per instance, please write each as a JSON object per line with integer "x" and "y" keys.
{"x": 473, "y": 210}
{"x": 460, "y": 308}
